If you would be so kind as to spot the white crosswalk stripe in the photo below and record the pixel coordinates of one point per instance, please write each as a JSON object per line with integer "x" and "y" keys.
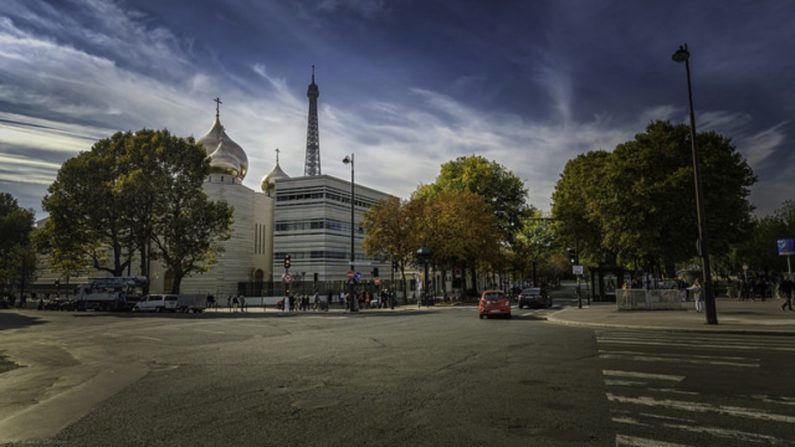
{"x": 663, "y": 362}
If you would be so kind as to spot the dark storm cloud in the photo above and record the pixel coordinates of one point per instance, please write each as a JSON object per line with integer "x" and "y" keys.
{"x": 530, "y": 84}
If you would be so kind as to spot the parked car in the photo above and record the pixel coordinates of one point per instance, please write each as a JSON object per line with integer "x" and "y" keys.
{"x": 534, "y": 297}
{"x": 494, "y": 303}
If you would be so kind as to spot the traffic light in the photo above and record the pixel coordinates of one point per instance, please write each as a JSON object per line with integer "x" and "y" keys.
{"x": 287, "y": 261}
{"x": 375, "y": 272}
{"x": 572, "y": 256}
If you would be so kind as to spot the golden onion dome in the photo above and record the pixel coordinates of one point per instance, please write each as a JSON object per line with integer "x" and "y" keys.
{"x": 223, "y": 162}
{"x": 225, "y": 155}
{"x": 275, "y": 174}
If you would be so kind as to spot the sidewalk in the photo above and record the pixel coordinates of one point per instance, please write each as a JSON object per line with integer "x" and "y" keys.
{"x": 744, "y": 317}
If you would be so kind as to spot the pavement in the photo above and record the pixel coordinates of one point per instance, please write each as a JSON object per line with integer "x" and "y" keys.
{"x": 734, "y": 316}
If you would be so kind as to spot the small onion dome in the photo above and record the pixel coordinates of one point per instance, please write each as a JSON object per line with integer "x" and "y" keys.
{"x": 275, "y": 174}
{"x": 230, "y": 156}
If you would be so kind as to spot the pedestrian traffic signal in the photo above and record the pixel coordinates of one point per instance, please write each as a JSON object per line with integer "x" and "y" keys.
{"x": 572, "y": 256}
{"x": 316, "y": 277}
{"x": 287, "y": 261}
{"x": 375, "y": 272}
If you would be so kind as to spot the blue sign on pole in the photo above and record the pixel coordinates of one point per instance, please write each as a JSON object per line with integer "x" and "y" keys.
{"x": 357, "y": 276}
{"x": 785, "y": 247}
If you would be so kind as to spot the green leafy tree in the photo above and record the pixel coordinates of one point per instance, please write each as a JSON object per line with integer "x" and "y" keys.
{"x": 186, "y": 224}
{"x": 758, "y": 250}
{"x": 649, "y": 216}
{"x": 537, "y": 241}
{"x": 132, "y": 192}
{"x": 575, "y": 206}
{"x": 638, "y": 202}
{"x": 88, "y": 208}
{"x": 17, "y": 257}
{"x": 499, "y": 187}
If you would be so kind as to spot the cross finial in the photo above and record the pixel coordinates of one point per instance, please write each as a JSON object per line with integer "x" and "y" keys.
{"x": 217, "y": 106}
{"x": 277, "y": 155}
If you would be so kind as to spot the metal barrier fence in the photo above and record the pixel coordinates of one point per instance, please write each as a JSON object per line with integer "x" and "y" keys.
{"x": 648, "y": 299}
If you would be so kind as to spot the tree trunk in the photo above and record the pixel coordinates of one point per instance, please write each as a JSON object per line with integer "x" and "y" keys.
{"x": 177, "y": 282}
{"x": 474, "y": 274}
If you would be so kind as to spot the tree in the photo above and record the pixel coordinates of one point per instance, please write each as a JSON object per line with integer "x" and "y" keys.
{"x": 186, "y": 224}
{"x": 16, "y": 249}
{"x": 130, "y": 191}
{"x": 500, "y": 188}
{"x": 88, "y": 208}
{"x": 536, "y": 241}
{"x": 758, "y": 250}
{"x": 574, "y": 204}
{"x": 650, "y": 215}
{"x": 388, "y": 227}
{"x": 459, "y": 227}
{"x": 639, "y": 200}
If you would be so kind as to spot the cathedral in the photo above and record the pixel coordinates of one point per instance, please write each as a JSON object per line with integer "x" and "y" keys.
{"x": 307, "y": 218}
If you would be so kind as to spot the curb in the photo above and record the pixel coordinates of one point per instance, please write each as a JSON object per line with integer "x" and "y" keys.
{"x": 589, "y": 324}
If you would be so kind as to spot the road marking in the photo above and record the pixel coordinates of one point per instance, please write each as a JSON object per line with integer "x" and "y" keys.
{"x": 779, "y": 400}
{"x": 666, "y": 354}
{"x": 736, "y": 435}
{"x": 632, "y": 441}
{"x": 640, "y": 375}
{"x": 728, "y": 346}
{"x": 698, "y": 407}
{"x": 649, "y": 358}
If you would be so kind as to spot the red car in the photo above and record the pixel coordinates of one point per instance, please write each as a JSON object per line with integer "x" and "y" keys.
{"x": 494, "y": 302}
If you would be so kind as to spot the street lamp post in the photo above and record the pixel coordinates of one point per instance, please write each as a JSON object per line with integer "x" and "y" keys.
{"x": 683, "y": 55}
{"x": 349, "y": 160}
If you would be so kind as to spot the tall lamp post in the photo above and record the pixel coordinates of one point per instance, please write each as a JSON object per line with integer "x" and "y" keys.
{"x": 683, "y": 55}
{"x": 351, "y": 281}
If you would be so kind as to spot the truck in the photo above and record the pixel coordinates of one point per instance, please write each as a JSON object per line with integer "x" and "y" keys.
{"x": 112, "y": 293}
{"x": 157, "y": 302}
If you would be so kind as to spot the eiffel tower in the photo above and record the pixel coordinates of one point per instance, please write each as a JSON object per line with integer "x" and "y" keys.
{"x": 312, "y": 163}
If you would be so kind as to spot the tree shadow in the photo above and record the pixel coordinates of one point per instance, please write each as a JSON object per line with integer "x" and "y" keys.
{"x": 13, "y": 320}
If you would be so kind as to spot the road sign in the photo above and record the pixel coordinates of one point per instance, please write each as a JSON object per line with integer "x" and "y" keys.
{"x": 357, "y": 276}
{"x": 287, "y": 278}
{"x": 577, "y": 269}
{"x": 785, "y": 247}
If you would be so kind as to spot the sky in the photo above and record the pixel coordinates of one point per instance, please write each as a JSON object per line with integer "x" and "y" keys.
{"x": 405, "y": 85}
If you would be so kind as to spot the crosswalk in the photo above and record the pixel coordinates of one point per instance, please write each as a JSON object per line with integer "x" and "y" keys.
{"x": 680, "y": 390}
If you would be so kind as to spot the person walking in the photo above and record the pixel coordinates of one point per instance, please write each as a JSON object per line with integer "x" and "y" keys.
{"x": 242, "y": 301}
{"x": 785, "y": 288}
{"x": 697, "y": 295}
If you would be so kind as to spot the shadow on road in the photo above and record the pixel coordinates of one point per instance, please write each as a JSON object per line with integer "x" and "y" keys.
{"x": 12, "y": 320}
{"x": 211, "y": 315}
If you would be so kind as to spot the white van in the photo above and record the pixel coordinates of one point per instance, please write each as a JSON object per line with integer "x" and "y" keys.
{"x": 171, "y": 303}
{"x": 157, "y": 303}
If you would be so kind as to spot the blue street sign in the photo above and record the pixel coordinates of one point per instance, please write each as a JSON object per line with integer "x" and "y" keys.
{"x": 357, "y": 276}
{"x": 785, "y": 247}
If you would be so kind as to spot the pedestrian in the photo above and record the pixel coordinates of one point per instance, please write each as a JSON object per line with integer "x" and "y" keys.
{"x": 316, "y": 301}
{"x": 697, "y": 295}
{"x": 785, "y": 288}
{"x": 329, "y": 298}
{"x": 229, "y": 302}
{"x": 242, "y": 301}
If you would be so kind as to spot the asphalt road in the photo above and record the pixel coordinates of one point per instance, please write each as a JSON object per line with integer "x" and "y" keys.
{"x": 439, "y": 377}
